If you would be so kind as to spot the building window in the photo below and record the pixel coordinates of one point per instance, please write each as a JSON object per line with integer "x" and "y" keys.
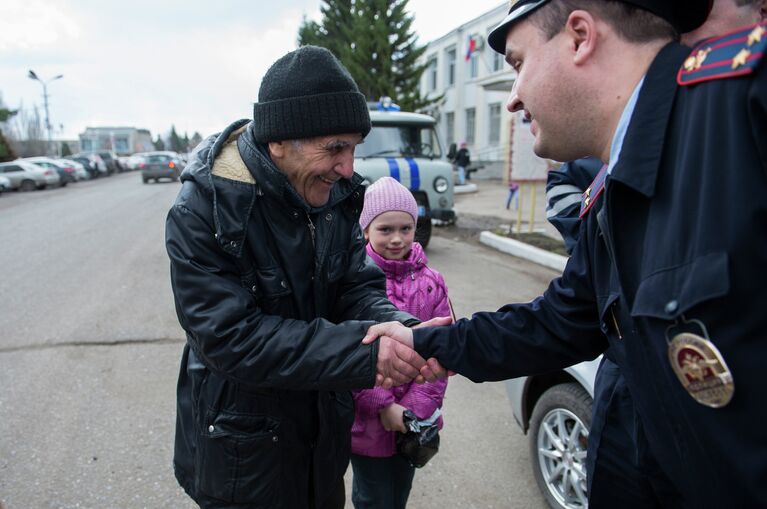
{"x": 450, "y": 128}
{"x": 474, "y": 64}
{"x": 494, "y": 124}
{"x": 431, "y": 73}
{"x": 497, "y": 62}
{"x": 471, "y": 117}
{"x": 450, "y": 66}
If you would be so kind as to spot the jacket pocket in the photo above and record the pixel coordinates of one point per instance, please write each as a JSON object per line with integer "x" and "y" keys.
{"x": 337, "y": 265}
{"x": 272, "y": 289}
{"x": 669, "y": 293}
{"x": 240, "y": 458}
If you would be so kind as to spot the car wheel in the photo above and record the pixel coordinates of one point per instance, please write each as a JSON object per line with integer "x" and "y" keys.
{"x": 28, "y": 185}
{"x": 423, "y": 230}
{"x": 559, "y": 435}
{"x": 144, "y": 180}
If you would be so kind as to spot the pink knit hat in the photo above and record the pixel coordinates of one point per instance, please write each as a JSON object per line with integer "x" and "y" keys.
{"x": 385, "y": 195}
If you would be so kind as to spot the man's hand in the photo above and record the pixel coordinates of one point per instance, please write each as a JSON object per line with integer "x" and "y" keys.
{"x": 391, "y": 418}
{"x": 397, "y": 363}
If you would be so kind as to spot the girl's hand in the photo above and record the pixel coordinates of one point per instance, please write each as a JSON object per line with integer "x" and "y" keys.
{"x": 391, "y": 418}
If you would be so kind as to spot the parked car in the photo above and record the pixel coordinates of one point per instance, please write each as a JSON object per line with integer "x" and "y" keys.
{"x": 66, "y": 172}
{"x": 134, "y": 161}
{"x": 80, "y": 172}
{"x": 405, "y": 146}
{"x": 157, "y": 165}
{"x": 109, "y": 159}
{"x": 90, "y": 165}
{"x": 27, "y": 176}
{"x": 555, "y": 408}
{"x": 5, "y": 184}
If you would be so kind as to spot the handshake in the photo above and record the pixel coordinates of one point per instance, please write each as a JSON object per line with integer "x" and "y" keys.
{"x": 397, "y": 362}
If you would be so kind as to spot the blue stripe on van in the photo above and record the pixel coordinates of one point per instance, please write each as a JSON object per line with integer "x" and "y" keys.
{"x": 415, "y": 175}
{"x": 393, "y": 168}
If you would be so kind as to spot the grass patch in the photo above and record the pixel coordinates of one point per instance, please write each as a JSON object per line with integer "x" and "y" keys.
{"x": 535, "y": 239}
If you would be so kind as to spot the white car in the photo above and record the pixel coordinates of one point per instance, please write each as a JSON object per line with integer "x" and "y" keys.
{"x": 80, "y": 172}
{"x": 5, "y": 184}
{"x": 26, "y": 176}
{"x": 555, "y": 408}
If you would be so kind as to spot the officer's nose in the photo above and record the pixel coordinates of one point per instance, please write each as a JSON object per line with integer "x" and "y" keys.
{"x": 515, "y": 103}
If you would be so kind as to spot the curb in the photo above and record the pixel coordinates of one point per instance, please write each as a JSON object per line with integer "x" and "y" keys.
{"x": 465, "y": 189}
{"x": 522, "y": 250}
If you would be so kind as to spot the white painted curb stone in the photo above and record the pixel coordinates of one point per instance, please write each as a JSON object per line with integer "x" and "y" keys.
{"x": 522, "y": 250}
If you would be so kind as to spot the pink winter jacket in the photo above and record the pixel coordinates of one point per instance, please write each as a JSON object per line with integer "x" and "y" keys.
{"x": 415, "y": 288}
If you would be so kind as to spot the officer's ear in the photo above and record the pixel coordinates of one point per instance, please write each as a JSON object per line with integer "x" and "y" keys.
{"x": 581, "y": 32}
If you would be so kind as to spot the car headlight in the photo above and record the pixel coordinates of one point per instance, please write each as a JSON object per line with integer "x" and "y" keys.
{"x": 440, "y": 184}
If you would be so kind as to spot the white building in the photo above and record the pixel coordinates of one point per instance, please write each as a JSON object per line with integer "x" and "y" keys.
{"x": 475, "y": 86}
{"x": 121, "y": 140}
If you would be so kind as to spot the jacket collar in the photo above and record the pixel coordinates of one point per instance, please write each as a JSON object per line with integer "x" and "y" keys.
{"x": 396, "y": 269}
{"x": 643, "y": 145}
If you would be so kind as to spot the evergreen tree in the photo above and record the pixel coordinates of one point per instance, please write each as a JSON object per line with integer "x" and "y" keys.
{"x": 185, "y": 142}
{"x": 6, "y": 152}
{"x": 196, "y": 139}
{"x": 175, "y": 141}
{"x": 159, "y": 144}
{"x": 337, "y": 30}
{"x": 375, "y": 41}
{"x": 65, "y": 150}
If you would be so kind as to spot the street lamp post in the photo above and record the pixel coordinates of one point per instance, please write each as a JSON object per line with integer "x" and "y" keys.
{"x": 33, "y": 76}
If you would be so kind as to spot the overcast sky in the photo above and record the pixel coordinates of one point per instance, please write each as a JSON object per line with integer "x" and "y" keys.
{"x": 196, "y": 64}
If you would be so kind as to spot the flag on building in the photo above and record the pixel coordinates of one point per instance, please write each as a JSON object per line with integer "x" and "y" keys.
{"x": 472, "y": 47}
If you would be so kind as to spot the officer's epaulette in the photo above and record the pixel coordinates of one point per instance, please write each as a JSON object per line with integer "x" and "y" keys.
{"x": 592, "y": 192}
{"x": 733, "y": 54}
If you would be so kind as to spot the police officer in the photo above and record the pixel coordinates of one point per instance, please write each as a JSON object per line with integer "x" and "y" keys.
{"x": 666, "y": 272}
{"x": 612, "y": 454}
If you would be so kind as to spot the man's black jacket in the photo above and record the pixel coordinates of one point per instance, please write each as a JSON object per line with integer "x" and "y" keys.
{"x": 275, "y": 297}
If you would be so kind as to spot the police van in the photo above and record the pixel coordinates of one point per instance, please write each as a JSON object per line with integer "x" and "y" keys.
{"x": 405, "y": 146}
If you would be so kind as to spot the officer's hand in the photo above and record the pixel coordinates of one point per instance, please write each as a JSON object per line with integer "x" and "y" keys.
{"x": 435, "y": 322}
{"x": 393, "y": 330}
{"x": 433, "y": 370}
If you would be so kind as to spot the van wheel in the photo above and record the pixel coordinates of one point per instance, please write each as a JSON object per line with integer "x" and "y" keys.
{"x": 423, "y": 230}
{"x": 28, "y": 185}
{"x": 559, "y": 435}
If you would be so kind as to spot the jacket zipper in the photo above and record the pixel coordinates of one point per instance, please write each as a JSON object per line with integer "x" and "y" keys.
{"x": 617, "y": 329}
{"x": 311, "y": 229}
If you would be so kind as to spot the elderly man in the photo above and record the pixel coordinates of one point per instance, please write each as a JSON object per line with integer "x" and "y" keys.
{"x": 274, "y": 290}
{"x": 664, "y": 273}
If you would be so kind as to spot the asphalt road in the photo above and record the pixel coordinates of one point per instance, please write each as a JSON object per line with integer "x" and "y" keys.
{"x": 90, "y": 345}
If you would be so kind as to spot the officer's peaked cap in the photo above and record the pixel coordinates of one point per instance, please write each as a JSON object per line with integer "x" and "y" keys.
{"x": 684, "y": 15}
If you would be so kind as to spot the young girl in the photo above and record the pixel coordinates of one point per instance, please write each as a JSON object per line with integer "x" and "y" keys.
{"x": 382, "y": 478}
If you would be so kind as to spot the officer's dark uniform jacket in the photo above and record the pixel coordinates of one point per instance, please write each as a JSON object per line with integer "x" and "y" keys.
{"x": 274, "y": 307}
{"x": 681, "y": 230}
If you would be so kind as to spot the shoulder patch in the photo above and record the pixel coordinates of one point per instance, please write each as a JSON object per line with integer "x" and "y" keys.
{"x": 734, "y": 54}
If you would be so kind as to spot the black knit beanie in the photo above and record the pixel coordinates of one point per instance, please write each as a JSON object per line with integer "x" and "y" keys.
{"x": 308, "y": 93}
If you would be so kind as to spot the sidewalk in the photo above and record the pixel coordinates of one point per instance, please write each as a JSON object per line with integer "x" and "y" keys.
{"x": 490, "y": 200}
{"x": 487, "y": 199}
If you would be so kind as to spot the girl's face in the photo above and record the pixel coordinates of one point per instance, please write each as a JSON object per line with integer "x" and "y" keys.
{"x": 391, "y": 234}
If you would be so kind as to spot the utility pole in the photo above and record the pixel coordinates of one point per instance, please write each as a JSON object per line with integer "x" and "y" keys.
{"x": 33, "y": 76}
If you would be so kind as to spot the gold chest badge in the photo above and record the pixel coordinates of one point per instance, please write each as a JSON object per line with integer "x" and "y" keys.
{"x": 699, "y": 365}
